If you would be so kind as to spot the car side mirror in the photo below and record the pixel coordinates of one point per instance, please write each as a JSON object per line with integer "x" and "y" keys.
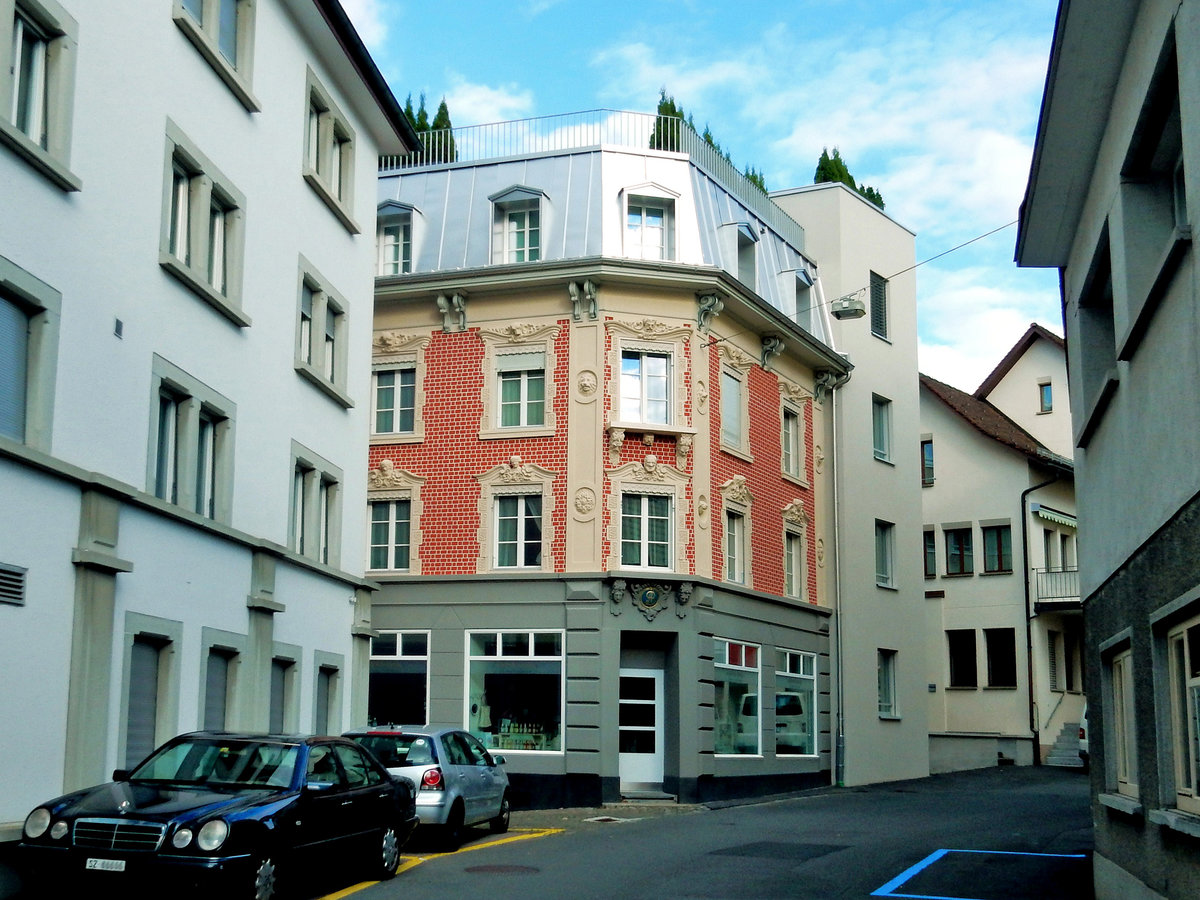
{"x": 497, "y": 760}
{"x": 120, "y": 775}
{"x": 318, "y": 786}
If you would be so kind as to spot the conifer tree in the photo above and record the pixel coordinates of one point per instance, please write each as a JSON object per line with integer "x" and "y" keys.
{"x": 833, "y": 168}
{"x": 445, "y": 151}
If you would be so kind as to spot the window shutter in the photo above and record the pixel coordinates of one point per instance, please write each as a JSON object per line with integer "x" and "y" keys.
{"x": 143, "y": 701}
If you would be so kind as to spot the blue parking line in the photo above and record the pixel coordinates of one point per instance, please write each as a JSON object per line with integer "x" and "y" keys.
{"x": 888, "y": 890}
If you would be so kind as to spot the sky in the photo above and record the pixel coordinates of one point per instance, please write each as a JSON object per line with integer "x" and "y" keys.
{"x": 932, "y": 102}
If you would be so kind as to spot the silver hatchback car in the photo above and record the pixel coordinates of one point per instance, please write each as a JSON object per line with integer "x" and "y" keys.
{"x": 459, "y": 782}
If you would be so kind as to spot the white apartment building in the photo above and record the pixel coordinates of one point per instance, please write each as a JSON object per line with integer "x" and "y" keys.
{"x": 187, "y": 239}
{"x": 868, "y": 258}
{"x": 1004, "y": 623}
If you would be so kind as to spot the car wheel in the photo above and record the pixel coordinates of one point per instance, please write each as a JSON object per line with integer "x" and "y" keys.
{"x": 389, "y": 855}
{"x": 499, "y": 825}
{"x": 452, "y": 831}
{"x": 265, "y": 879}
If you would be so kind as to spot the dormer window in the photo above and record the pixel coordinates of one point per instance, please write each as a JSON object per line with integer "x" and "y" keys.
{"x": 517, "y": 225}
{"x": 649, "y": 222}
{"x": 394, "y": 238}
{"x": 746, "y": 243}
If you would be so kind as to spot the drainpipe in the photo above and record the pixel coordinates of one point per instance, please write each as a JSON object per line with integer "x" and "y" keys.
{"x": 1034, "y": 727}
{"x": 829, "y": 381}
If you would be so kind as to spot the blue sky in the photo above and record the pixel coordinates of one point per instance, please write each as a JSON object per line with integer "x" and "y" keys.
{"x": 933, "y": 102}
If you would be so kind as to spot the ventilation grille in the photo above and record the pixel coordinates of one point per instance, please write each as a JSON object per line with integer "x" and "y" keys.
{"x": 12, "y": 585}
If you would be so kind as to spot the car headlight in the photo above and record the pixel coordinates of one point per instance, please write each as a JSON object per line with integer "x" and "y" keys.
{"x": 212, "y": 835}
{"x": 59, "y": 830}
{"x": 182, "y": 838}
{"x": 37, "y": 822}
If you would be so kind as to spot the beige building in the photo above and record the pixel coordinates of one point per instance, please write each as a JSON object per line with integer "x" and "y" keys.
{"x": 1111, "y": 203}
{"x": 1004, "y": 622}
{"x": 866, "y": 262}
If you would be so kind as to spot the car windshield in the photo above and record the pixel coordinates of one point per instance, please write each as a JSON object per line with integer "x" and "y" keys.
{"x": 398, "y": 750}
{"x": 221, "y": 763}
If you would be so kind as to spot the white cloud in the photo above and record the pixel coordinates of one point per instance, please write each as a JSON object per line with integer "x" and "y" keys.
{"x": 972, "y": 316}
{"x": 477, "y": 104}
{"x": 369, "y": 20}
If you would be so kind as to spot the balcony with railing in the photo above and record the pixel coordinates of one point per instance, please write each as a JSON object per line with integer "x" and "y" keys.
{"x": 1056, "y": 588}
{"x": 548, "y": 135}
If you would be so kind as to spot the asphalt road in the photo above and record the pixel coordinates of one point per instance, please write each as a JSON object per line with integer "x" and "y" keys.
{"x": 993, "y": 834}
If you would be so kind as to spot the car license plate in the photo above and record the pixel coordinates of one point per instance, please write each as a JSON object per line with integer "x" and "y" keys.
{"x": 106, "y": 865}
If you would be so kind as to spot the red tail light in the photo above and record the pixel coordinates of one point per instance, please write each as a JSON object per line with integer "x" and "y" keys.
{"x": 1082, "y": 732}
{"x": 431, "y": 780}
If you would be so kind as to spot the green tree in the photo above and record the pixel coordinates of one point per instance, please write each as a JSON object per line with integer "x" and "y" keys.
{"x": 444, "y": 151}
{"x": 833, "y": 168}
{"x": 668, "y": 124}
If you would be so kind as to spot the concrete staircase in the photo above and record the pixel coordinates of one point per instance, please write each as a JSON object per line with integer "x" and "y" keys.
{"x": 1065, "y": 752}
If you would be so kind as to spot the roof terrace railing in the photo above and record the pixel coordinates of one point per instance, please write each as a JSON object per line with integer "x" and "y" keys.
{"x": 593, "y": 128}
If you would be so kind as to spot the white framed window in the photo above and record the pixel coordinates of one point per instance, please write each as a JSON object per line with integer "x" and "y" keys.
{"x": 394, "y": 238}
{"x": 1183, "y": 672}
{"x": 646, "y": 229}
{"x": 881, "y": 427}
{"x": 391, "y": 535}
{"x": 646, "y": 525}
{"x": 39, "y": 61}
{"x": 516, "y": 514}
{"x": 737, "y": 712}
{"x": 29, "y": 326}
{"x": 202, "y": 235}
{"x": 885, "y": 554}
{"x": 886, "y": 671}
{"x": 315, "y": 511}
{"x": 398, "y": 684}
{"x": 738, "y": 538}
{"x": 518, "y": 530}
{"x": 394, "y": 396}
{"x": 645, "y": 386}
{"x": 879, "y": 305}
{"x": 735, "y": 400}
{"x": 329, "y": 153}
{"x": 322, "y": 335}
{"x": 223, "y": 33}
{"x": 518, "y": 392}
{"x": 191, "y": 443}
{"x": 791, "y": 443}
{"x": 795, "y": 703}
{"x": 735, "y": 547}
{"x": 1121, "y": 735}
{"x": 516, "y": 695}
{"x": 522, "y": 390}
{"x": 394, "y": 519}
{"x": 522, "y": 233}
{"x": 517, "y": 224}
{"x": 795, "y": 564}
{"x": 398, "y": 387}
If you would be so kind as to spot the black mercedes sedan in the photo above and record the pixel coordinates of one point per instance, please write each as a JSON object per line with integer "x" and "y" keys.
{"x": 239, "y": 811}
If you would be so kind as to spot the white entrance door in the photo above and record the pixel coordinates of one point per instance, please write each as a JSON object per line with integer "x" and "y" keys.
{"x": 640, "y": 734}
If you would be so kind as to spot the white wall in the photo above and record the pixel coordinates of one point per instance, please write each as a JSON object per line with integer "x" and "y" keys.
{"x": 849, "y": 238}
